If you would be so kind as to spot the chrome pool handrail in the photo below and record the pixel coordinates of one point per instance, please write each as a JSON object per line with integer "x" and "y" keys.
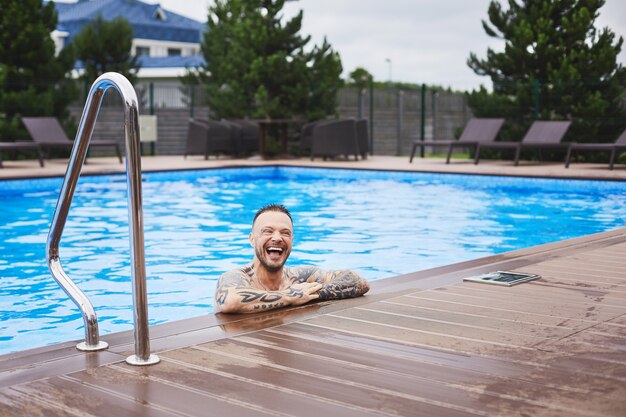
{"x": 86, "y": 126}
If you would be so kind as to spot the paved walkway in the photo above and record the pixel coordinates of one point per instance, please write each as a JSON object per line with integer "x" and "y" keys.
{"x": 25, "y": 169}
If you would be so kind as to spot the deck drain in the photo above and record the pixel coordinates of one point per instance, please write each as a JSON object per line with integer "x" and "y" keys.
{"x": 506, "y": 278}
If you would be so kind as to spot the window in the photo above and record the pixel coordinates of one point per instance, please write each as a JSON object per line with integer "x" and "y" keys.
{"x": 142, "y": 51}
{"x": 159, "y": 14}
{"x": 173, "y": 52}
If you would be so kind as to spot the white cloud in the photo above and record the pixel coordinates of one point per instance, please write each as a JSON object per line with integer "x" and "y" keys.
{"x": 427, "y": 41}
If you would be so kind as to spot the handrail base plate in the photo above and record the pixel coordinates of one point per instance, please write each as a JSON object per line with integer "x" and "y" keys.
{"x": 137, "y": 361}
{"x": 84, "y": 347}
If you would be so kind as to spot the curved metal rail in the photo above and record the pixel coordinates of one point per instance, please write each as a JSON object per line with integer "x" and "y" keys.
{"x": 86, "y": 126}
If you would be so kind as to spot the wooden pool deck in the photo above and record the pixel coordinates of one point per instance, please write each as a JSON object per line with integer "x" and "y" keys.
{"x": 421, "y": 344}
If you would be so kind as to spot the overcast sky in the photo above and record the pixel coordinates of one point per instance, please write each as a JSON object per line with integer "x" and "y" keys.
{"x": 425, "y": 41}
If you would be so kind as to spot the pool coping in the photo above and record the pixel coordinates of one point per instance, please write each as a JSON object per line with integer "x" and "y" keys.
{"x": 107, "y": 166}
{"x": 58, "y": 359}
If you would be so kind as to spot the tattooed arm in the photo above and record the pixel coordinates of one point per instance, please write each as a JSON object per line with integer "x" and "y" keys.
{"x": 236, "y": 294}
{"x": 335, "y": 284}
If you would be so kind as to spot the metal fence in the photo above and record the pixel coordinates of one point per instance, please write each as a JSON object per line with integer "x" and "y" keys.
{"x": 396, "y": 118}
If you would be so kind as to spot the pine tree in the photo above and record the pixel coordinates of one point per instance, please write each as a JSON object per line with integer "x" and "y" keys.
{"x": 257, "y": 65}
{"x": 33, "y": 81}
{"x": 104, "y": 46}
{"x": 360, "y": 78}
{"x": 555, "y": 65}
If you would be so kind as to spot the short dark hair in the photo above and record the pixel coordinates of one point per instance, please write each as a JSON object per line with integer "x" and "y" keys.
{"x": 272, "y": 207}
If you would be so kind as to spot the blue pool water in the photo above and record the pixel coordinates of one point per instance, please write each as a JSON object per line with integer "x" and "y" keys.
{"x": 196, "y": 223}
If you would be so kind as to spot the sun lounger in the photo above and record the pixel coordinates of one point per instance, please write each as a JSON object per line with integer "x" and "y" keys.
{"x": 542, "y": 134}
{"x": 476, "y": 131}
{"x": 21, "y": 146}
{"x": 48, "y": 133}
{"x": 620, "y": 143}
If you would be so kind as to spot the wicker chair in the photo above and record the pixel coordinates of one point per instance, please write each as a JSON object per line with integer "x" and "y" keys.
{"x": 334, "y": 137}
{"x": 206, "y": 137}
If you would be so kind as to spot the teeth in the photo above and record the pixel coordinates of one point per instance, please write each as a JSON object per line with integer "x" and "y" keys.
{"x": 275, "y": 249}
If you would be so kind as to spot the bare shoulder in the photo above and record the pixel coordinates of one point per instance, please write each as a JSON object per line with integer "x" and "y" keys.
{"x": 229, "y": 283}
{"x": 234, "y": 278}
{"x": 302, "y": 273}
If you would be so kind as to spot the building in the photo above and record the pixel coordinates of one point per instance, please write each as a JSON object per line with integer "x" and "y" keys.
{"x": 166, "y": 43}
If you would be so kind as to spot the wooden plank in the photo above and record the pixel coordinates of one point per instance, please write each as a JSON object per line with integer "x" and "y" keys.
{"x": 540, "y": 291}
{"x": 490, "y": 311}
{"x": 590, "y": 342}
{"x": 591, "y": 260}
{"x": 80, "y": 399}
{"x": 566, "y": 371}
{"x": 560, "y": 368}
{"x": 512, "y": 394}
{"x": 613, "y": 275}
{"x": 410, "y": 391}
{"x": 548, "y": 360}
{"x": 346, "y": 398}
{"x": 137, "y": 385}
{"x": 430, "y": 327}
{"x": 406, "y": 335}
{"x": 526, "y": 385}
{"x": 416, "y": 362}
{"x": 620, "y": 321}
{"x": 497, "y": 322}
{"x": 43, "y": 353}
{"x": 610, "y": 328}
{"x": 607, "y": 367}
{"x": 217, "y": 375}
{"x": 591, "y": 311}
{"x": 393, "y": 348}
{"x": 55, "y": 367}
{"x": 15, "y": 403}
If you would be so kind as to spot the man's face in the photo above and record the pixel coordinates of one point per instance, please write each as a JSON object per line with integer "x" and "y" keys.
{"x": 272, "y": 238}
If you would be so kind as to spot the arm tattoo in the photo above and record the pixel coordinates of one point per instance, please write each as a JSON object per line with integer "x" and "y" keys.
{"x": 343, "y": 284}
{"x": 237, "y": 285}
{"x": 230, "y": 280}
{"x": 220, "y": 296}
{"x": 301, "y": 273}
{"x": 235, "y": 288}
{"x": 268, "y": 306}
{"x": 263, "y": 296}
{"x": 295, "y": 293}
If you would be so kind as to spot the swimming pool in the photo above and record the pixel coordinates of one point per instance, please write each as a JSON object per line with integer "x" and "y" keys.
{"x": 196, "y": 224}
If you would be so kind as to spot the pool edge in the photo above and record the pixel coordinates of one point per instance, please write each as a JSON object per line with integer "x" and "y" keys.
{"x": 57, "y": 359}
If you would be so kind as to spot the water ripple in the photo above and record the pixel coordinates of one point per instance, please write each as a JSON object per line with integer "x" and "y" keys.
{"x": 196, "y": 225}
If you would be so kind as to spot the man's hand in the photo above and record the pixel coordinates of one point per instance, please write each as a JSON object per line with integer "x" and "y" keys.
{"x": 301, "y": 293}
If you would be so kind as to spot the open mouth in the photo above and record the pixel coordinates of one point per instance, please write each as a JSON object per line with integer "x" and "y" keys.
{"x": 274, "y": 252}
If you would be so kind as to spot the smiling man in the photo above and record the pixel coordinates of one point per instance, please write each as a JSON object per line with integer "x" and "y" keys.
{"x": 266, "y": 283}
